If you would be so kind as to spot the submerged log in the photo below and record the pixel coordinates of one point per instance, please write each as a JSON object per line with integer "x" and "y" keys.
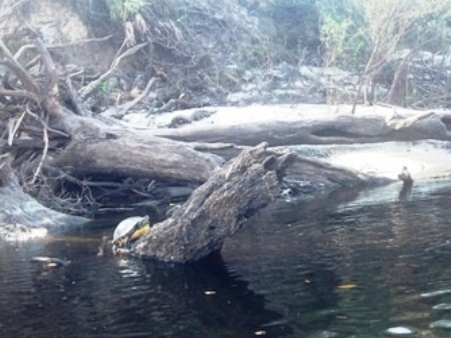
{"x": 218, "y": 208}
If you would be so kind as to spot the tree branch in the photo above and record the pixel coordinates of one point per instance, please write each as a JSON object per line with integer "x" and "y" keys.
{"x": 27, "y": 81}
{"x": 86, "y": 91}
{"x": 52, "y": 77}
{"x": 124, "y": 108}
{"x": 20, "y": 94}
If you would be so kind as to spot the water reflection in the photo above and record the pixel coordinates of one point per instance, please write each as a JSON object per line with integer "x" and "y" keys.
{"x": 109, "y": 296}
{"x": 349, "y": 265}
{"x": 406, "y": 190}
{"x": 390, "y": 250}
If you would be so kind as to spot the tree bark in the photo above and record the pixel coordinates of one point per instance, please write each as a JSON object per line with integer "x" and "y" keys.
{"x": 124, "y": 155}
{"x": 389, "y": 125}
{"x": 218, "y": 208}
{"x": 82, "y": 146}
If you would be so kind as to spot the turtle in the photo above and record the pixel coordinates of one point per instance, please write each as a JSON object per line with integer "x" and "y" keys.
{"x": 128, "y": 231}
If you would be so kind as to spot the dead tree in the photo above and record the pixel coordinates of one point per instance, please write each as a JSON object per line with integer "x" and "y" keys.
{"x": 218, "y": 208}
{"x": 45, "y": 136}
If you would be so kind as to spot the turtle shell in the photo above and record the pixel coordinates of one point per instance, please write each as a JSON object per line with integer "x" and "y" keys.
{"x": 126, "y": 226}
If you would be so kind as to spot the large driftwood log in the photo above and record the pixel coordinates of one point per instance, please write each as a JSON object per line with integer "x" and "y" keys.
{"x": 218, "y": 208}
{"x": 309, "y": 124}
{"x": 129, "y": 155}
{"x": 82, "y": 149}
{"x": 90, "y": 146}
{"x": 304, "y": 169}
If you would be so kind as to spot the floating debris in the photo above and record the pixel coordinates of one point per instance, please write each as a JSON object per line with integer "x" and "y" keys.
{"x": 399, "y": 331}
{"x": 441, "y": 324}
{"x": 442, "y": 307}
{"x": 50, "y": 262}
{"x": 210, "y": 293}
{"x": 435, "y": 293}
{"x": 347, "y": 286}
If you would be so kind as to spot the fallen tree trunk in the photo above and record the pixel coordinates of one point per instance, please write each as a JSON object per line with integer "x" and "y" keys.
{"x": 218, "y": 208}
{"x": 128, "y": 155}
{"x": 55, "y": 148}
{"x": 307, "y": 124}
{"x": 52, "y": 145}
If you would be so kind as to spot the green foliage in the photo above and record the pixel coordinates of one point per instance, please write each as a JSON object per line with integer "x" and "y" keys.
{"x": 334, "y": 37}
{"x": 341, "y": 34}
{"x": 124, "y": 9}
{"x": 296, "y": 22}
{"x": 430, "y": 32}
{"x": 352, "y": 30}
{"x": 287, "y": 28}
{"x": 14, "y": 44}
{"x": 104, "y": 89}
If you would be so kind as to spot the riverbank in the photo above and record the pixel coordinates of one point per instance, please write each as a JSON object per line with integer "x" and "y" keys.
{"x": 425, "y": 158}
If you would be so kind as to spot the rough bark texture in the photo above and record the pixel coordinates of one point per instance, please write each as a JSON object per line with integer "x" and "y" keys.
{"x": 328, "y": 176}
{"x": 129, "y": 156}
{"x": 381, "y": 125}
{"x": 88, "y": 149}
{"x": 218, "y": 208}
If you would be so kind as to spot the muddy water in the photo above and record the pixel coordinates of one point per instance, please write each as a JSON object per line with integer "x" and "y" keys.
{"x": 345, "y": 267}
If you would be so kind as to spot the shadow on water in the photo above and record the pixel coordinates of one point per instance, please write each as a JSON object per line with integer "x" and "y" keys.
{"x": 347, "y": 265}
{"x": 370, "y": 255}
{"x": 406, "y": 191}
{"x": 116, "y": 297}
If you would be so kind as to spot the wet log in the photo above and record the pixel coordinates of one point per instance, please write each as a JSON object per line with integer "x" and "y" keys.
{"x": 218, "y": 208}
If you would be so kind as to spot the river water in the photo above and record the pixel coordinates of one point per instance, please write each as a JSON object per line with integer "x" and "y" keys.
{"x": 342, "y": 266}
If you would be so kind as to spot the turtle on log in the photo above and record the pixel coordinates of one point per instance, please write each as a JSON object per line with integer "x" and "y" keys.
{"x": 128, "y": 231}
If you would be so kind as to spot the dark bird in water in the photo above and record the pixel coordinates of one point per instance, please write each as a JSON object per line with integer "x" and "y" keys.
{"x": 407, "y": 183}
{"x": 405, "y": 176}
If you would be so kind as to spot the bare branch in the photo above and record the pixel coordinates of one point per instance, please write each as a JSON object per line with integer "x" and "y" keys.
{"x": 26, "y": 48}
{"x": 52, "y": 77}
{"x": 124, "y": 108}
{"x": 86, "y": 91}
{"x": 27, "y": 81}
{"x": 20, "y": 94}
{"x": 74, "y": 97}
{"x": 79, "y": 42}
{"x": 22, "y": 51}
{"x": 45, "y": 138}
{"x": 12, "y": 8}
{"x": 44, "y": 155}
{"x": 15, "y": 127}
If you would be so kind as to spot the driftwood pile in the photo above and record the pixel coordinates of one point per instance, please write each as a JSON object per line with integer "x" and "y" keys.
{"x": 57, "y": 148}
